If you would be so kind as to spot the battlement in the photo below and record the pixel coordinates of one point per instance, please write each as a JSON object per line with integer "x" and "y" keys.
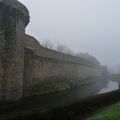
{"x": 54, "y": 60}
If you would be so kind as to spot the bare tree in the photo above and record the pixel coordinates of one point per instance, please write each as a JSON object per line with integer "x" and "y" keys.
{"x": 47, "y": 44}
{"x": 64, "y": 49}
{"x": 60, "y": 48}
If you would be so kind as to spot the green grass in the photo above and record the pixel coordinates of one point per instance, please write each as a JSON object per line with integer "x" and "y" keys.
{"x": 109, "y": 113}
{"x": 56, "y": 84}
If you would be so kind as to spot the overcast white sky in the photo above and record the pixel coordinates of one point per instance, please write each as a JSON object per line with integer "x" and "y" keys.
{"x": 88, "y": 26}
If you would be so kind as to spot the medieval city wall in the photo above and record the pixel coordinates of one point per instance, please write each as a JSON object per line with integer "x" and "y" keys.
{"x": 27, "y": 68}
{"x": 13, "y": 21}
{"x": 47, "y": 70}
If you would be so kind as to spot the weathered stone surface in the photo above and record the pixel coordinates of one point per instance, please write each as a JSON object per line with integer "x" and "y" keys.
{"x": 12, "y": 30}
{"x": 27, "y": 68}
{"x": 16, "y": 5}
{"x": 47, "y": 70}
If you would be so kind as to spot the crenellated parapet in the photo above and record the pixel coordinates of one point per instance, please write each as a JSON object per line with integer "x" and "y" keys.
{"x": 50, "y": 59}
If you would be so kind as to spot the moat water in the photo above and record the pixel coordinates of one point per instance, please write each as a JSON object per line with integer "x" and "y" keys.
{"x": 112, "y": 85}
{"x": 51, "y": 101}
{"x": 73, "y": 96}
{"x": 69, "y": 97}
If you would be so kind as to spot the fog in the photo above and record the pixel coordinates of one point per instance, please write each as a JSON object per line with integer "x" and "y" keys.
{"x": 88, "y": 26}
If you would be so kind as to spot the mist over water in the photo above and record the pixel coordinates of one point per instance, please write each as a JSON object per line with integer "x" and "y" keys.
{"x": 112, "y": 85}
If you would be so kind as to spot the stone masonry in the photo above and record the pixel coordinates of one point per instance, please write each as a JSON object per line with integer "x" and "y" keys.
{"x": 13, "y": 19}
{"x": 27, "y": 68}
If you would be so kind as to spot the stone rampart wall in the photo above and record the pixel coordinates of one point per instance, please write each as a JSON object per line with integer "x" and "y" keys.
{"x": 13, "y": 19}
{"x": 49, "y": 74}
{"x": 35, "y": 70}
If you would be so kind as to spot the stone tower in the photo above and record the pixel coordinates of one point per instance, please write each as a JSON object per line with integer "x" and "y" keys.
{"x": 14, "y": 17}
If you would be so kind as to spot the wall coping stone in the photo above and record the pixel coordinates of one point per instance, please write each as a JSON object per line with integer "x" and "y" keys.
{"x": 18, "y": 7}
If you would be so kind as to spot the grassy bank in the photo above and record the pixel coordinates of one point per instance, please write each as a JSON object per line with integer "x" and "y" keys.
{"x": 57, "y": 84}
{"x": 110, "y": 113}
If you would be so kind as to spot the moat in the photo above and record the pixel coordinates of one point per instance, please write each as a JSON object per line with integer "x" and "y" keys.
{"x": 112, "y": 85}
{"x": 65, "y": 98}
{"x": 68, "y": 97}
{"x": 61, "y": 99}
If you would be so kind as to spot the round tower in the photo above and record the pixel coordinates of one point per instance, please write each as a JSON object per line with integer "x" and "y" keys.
{"x": 14, "y": 17}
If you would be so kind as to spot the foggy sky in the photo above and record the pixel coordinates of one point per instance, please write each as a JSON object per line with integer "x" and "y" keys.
{"x": 88, "y": 26}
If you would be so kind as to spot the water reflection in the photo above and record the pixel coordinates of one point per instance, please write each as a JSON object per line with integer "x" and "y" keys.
{"x": 54, "y": 100}
{"x": 112, "y": 85}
